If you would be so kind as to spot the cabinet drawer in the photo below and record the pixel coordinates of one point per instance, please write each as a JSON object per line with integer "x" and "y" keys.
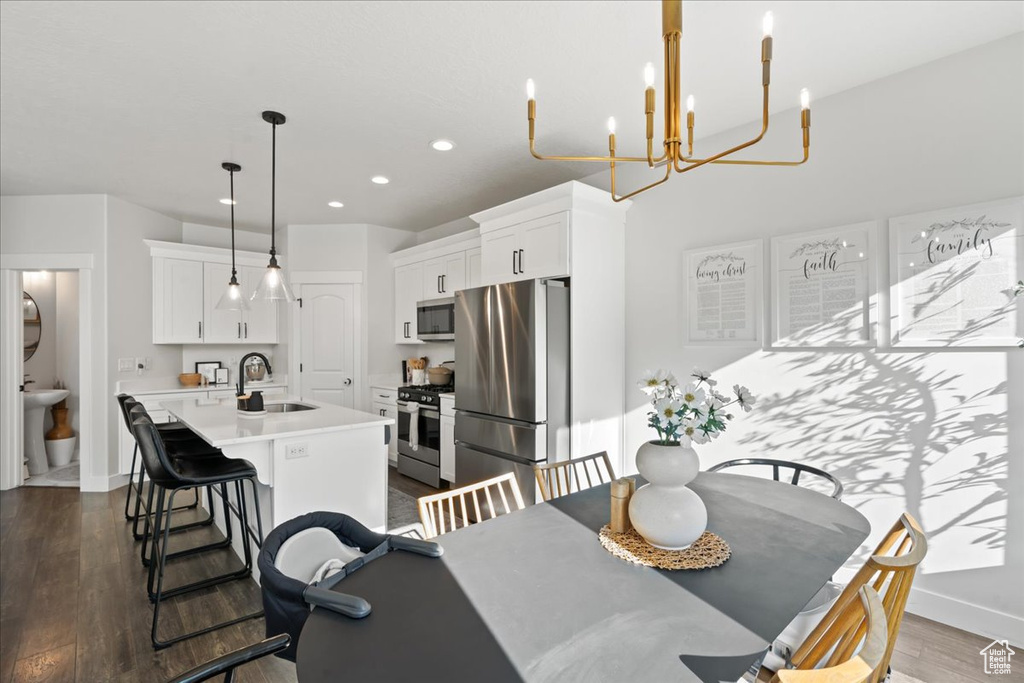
{"x": 382, "y": 395}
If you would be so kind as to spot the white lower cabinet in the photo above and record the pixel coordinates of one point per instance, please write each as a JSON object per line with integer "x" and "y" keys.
{"x": 448, "y": 439}
{"x": 384, "y": 404}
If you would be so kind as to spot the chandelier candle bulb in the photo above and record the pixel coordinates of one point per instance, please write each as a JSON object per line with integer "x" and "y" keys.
{"x": 611, "y": 125}
{"x": 768, "y": 24}
{"x": 531, "y": 89}
{"x": 805, "y": 99}
{"x": 675, "y": 155}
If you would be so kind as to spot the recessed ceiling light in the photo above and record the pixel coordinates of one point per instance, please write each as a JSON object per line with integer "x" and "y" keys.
{"x": 228, "y": 201}
{"x": 335, "y": 205}
{"x": 380, "y": 180}
{"x": 442, "y": 145}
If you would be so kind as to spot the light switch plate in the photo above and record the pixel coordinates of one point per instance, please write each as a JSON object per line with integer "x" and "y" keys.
{"x": 125, "y": 364}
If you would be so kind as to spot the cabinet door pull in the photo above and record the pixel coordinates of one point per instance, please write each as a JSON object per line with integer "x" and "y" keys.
{"x": 514, "y": 271}
{"x": 442, "y": 284}
{"x": 200, "y": 329}
{"x": 239, "y": 330}
{"x": 246, "y": 326}
{"x": 521, "y": 270}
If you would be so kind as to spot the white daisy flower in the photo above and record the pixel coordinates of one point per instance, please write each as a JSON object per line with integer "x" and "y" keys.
{"x": 744, "y": 397}
{"x": 669, "y": 410}
{"x": 692, "y": 395}
{"x": 703, "y": 376}
{"x": 653, "y": 381}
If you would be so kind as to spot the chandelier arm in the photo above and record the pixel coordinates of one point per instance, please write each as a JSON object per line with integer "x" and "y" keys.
{"x": 696, "y": 164}
{"x": 609, "y": 159}
{"x": 755, "y": 162}
{"x": 668, "y": 173}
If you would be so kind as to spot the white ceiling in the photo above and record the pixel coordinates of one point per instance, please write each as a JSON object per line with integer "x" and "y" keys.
{"x": 144, "y": 100}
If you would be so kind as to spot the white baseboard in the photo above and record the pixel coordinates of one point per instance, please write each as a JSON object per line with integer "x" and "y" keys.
{"x": 984, "y": 621}
{"x": 102, "y": 484}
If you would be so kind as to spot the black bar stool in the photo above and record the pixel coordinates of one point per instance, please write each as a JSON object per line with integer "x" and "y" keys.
{"x": 168, "y": 476}
{"x": 178, "y": 449}
{"x": 175, "y": 431}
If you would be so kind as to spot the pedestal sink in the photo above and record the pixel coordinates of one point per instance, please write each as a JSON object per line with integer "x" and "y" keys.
{"x": 36, "y": 403}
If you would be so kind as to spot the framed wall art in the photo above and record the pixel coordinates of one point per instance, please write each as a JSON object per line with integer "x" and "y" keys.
{"x": 953, "y": 275}
{"x": 724, "y": 288}
{"x": 823, "y": 289}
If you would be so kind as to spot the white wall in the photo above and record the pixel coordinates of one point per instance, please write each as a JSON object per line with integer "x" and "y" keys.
{"x": 67, "y": 357}
{"x": 213, "y": 236}
{"x": 130, "y": 301}
{"x": 361, "y": 248}
{"x": 42, "y": 366}
{"x": 931, "y": 433}
{"x": 73, "y": 224}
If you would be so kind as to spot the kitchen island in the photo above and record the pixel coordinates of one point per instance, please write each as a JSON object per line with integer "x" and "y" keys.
{"x": 314, "y": 456}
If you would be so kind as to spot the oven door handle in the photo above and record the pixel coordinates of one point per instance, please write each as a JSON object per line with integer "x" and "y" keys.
{"x": 430, "y": 412}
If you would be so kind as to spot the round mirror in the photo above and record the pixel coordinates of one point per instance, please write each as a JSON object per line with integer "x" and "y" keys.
{"x": 33, "y": 326}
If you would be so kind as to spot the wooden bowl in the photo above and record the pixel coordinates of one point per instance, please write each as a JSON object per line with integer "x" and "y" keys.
{"x": 190, "y": 379}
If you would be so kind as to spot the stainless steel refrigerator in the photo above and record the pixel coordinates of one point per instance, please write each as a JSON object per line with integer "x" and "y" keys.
{"x": 512, "y": 365}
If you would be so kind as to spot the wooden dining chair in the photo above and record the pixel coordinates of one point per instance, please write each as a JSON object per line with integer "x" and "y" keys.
{"x": 861, "y": 624}
{"x": 889, "y": 572}
{"x": 556, "y": 479}
{"x": 432, "y": 507}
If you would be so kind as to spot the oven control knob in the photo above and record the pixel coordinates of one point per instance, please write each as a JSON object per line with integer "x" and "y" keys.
{"x": 430, "y": 399}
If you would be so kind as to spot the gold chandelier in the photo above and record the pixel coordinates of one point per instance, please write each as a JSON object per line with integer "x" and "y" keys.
{"x": 673, "y": 157}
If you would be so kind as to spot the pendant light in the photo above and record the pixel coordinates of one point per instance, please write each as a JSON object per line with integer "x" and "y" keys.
{"x": 232, "y": 299}
{"x": 273, "y": 286}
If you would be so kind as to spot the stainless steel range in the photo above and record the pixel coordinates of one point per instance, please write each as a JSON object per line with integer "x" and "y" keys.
{"x": 419, "y": 432}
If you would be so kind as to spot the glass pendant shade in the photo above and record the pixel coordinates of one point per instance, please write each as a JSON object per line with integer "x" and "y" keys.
{"x": 273, "y": 286}
{"x": 232, "y": 299}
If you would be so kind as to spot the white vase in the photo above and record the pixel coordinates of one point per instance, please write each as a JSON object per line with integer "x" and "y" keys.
{"x": 665, "y": 512}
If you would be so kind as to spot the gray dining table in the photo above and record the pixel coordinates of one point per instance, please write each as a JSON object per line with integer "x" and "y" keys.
{"x": 533, "y": 595}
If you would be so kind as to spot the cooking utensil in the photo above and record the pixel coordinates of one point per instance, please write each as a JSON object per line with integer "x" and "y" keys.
{"x": 439, "y": 376}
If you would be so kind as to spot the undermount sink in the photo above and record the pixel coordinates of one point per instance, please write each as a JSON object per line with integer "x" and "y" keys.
{"x": 36, "y": 402}
{"x": 288, "y": 407}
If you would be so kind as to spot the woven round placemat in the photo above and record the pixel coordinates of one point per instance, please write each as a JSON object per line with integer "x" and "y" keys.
{"x": 710, "y": 550}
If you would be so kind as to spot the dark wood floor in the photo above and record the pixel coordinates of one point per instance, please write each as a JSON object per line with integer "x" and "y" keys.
{"x": 409, "y": 485}
{"x": 73, "y": 603}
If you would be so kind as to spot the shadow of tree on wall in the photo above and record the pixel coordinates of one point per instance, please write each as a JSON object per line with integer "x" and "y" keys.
{"x": 884, "y": 434}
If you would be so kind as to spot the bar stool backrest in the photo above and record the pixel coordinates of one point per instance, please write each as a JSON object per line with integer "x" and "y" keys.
{"x": 122, "y": 400}
{"x": 151, "y": 447}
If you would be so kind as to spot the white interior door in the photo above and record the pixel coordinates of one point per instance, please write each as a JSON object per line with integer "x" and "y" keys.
{"x": 327, "y": 348}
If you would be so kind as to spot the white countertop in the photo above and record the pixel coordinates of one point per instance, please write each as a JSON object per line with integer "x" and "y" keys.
{"x": 171, "y": 385}
{"x": 218, "y": 422}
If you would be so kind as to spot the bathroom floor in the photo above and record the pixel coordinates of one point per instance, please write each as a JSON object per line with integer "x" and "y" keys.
{"x": 68, "y": 476}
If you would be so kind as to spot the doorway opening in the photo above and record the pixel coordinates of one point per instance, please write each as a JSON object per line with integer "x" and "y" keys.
{"x": 47, "y": 418}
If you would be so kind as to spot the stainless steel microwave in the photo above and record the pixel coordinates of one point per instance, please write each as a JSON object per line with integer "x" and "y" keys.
{"x": 435, "y": 320}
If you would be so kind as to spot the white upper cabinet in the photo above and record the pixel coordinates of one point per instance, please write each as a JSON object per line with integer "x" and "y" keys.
{"x": 533, "y": 249}
{"x": 222, "y": 327}
{"x": 189, "y": 280}
{"x": 408, "y": 292}
{"x": 473, "y": 268}
{"x": 444, "y": 276}
{"x": 259, "y": 323}
{"x": 177, "y": 301}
